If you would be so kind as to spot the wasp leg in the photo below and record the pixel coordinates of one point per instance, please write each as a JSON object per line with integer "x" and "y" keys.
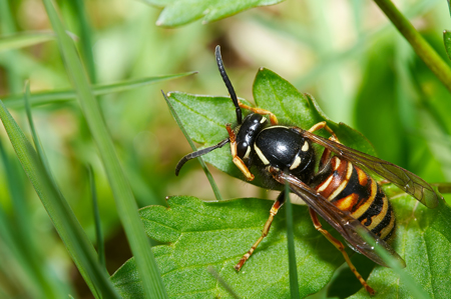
{"x": 323, "y": 125}
{"x": 274, "y": 209}
{"x": 237, "y": 160}
{"x": 272, "y": 117}
{"x": 340, "y": 247}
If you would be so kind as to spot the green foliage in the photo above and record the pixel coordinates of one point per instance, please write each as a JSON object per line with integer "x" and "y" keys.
{"x": 180, "y": 12}
{"x": 216, "y": 234}
{"x": 357, "y": 65}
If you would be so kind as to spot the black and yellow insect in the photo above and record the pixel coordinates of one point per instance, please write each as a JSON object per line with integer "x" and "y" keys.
{"x": 339, "y": 191}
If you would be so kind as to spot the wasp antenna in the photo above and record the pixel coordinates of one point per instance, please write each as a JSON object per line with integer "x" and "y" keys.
{"x": 228, "y": 84}
{"x": 198, "y": 153}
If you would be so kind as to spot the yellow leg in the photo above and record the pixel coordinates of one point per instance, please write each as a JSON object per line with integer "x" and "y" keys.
{"x": 237, "y": 160}
{"x": 340, "y": 247}
{"x": 323, "y": 125}
{"x": 274, "y": 209}
{"x": 272, "y": 117}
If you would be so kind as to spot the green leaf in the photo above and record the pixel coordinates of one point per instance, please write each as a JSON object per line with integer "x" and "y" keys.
{"x": 207, "y": 172}
{"x": 423, "y": 239}
{"x": 217, "y": 234}
{"x": 21, "y": 40}
{"x": 205, "y": 117}
{"x": 447, "y": 41}
{"x": 277, "y": 95}
{"x": 180, "y": 12}
{"x": 203, "y": 234}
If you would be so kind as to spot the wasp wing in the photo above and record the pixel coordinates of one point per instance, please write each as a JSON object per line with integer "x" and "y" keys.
{"x": 350, "y": 228}
{"x": 404, "y": 179}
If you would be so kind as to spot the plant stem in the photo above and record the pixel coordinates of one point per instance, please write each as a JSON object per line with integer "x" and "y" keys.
{"x": 434, "y": 62}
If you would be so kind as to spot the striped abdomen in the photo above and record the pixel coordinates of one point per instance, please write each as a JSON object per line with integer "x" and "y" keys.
{"x": 351, "y": 189}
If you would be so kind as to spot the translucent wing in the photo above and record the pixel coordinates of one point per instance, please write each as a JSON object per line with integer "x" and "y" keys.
{"x": 350, "y": 228}
{"x": 404, "y": 179}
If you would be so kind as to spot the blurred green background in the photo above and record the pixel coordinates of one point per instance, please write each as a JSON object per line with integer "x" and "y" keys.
{"x": 345, "y": 53}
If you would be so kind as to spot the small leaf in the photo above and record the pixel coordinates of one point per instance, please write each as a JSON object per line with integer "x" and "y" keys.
{"x": 217, "y": 234}
{"x": 180, "y": 12}
{"x": 447, "y": 41}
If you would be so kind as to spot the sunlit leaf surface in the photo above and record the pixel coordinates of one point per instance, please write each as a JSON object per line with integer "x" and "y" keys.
{"x": 215, "y": 234}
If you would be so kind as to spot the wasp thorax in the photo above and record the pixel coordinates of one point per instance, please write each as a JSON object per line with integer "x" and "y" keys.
{"x": 285, "y": 149}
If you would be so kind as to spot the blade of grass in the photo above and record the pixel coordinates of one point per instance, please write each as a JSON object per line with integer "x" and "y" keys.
{"x": 41, "y": 98}
{"x": 21, "y": 40}
{"x": 64, "y": 220}
{"x": 210, "y": 178}
{"x": 434, "y": 62}
{"x": 39, "y": 149}
{"x": 294, "y": 285}
{"x": 36, "y": 141}
{"x": 8, "y": 26}
{"x": 125, "y": 202}
{"x": 19, "y": 239}
{"x": 98, "y": 223}
{"x": 12, "y": 248}
{"x": 85, "y": 38}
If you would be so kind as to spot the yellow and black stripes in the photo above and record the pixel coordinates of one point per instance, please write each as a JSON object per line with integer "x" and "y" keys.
{"x": 351, "y": 189}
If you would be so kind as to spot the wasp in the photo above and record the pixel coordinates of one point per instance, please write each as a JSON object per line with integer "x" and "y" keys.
{"x": 339, "y": 189}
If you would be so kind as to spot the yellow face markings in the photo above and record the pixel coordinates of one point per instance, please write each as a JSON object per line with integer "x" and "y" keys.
{"x": 305, "y": 147}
